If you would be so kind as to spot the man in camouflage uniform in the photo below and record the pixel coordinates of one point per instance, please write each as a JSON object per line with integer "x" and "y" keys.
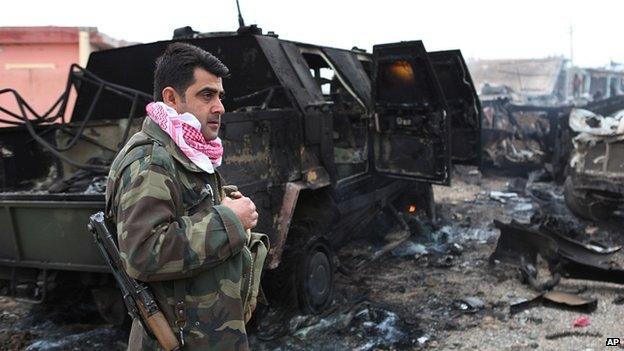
{"x": 176, "y": 228}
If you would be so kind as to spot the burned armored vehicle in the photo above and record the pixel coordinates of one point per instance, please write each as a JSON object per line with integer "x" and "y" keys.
{"x": 321, "y": 139}
{"x": 594, "y": 188}
{"x": 521, "y": 138}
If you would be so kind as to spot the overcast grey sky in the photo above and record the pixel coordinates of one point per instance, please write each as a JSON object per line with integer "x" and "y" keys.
{"x": 480, "y": 28}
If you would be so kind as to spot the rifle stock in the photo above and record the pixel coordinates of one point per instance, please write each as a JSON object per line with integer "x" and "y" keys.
{"x": 158, "y": 325}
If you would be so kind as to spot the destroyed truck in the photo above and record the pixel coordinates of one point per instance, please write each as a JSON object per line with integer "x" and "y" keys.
{"x": 321, "y": 139}
{"x": 594, "y": 188}
{"x": 520, "y": 138}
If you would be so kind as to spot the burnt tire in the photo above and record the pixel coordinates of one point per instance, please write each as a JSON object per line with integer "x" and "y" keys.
{"x": 587, "y": 206}
{"x": 304, "y": 279}
{"x": 314, "y": 276}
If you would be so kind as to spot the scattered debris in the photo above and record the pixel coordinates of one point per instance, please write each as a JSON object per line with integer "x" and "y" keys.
{"x": 445, "y": 261}
{"x": 591, "y": 230}
{"x": 469, "y": 304}
{"x": 556, "y": 299}
{"x": 97, "y": 185}
{"x": 410, "y": 248}
{"x": 423, "y": 339}
{"x": 566, "y": 334}
{"x": 619, "y": 300}
{"x": 501, "y": 196}
{"x": 523, "y": 207}
{"x": 528, "y": 275}
{"x": 455, "y": 249}
{"x": 379, "y": 327}
{"x": 581, "y": 322}
{"x": 574, "y": 301}
{"x": 401, "y": 236}
{"x": 521, "y": 244}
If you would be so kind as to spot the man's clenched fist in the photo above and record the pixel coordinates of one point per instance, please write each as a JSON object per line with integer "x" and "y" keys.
{"x": 244, "y": 209}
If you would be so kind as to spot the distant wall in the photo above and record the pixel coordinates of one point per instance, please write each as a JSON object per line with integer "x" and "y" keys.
{"x": 37, "y": 71}
{"x": 35, "y": 61}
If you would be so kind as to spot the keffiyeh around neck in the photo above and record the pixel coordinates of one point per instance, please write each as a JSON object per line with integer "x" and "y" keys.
{"x": 185, "y": 131}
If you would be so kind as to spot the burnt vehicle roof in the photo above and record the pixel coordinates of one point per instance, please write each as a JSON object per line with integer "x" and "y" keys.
{"x": 258, "y": 64}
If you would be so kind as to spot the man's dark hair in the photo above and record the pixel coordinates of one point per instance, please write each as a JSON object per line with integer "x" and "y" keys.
{"x": 175, "y": 67}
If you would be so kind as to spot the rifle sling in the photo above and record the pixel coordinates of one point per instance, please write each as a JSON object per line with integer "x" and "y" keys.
{"x": 179, "y": 292}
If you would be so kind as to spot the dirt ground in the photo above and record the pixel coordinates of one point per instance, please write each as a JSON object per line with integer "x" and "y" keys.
{"x": 436, "y": 291}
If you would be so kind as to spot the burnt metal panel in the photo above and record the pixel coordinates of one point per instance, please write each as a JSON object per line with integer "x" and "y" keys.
{"x": 413, "y": 139}
{"x": 595, "y": 157}
{"x": 351, "y": 69}
{"x": 589, "y": 182}
{"x": 57, "y": 220}
{"x": 292, "y": 71}
{"x": 261, "y": 145}
{"x": 249, "y": 83}
{"x": 286, "y": 212}
{"x": 9, "y": 240}
{"x": 463, "y": 103}
{"x": 606, "y": 107}
{"x": 262, "y": 153}
{"x": 520, "y": 244}
{"x": 23, "y": 161}
{"x": 615, "y": 161}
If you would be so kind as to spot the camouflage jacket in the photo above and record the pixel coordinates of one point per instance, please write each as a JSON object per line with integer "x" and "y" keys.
{"x": 172, "y": 232}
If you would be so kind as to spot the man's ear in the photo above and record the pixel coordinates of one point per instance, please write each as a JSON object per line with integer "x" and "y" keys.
{"x": 171, "y": 97}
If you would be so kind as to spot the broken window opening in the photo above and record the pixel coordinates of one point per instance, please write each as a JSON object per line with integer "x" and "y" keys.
{"x": 324, "y": 77}
{"x": 350, "y": 131}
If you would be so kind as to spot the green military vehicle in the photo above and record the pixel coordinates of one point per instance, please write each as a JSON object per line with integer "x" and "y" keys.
{"x": 321, "y": 139}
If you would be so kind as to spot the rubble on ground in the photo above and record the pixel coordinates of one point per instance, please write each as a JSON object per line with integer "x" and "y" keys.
{"x": 436, "y": 289}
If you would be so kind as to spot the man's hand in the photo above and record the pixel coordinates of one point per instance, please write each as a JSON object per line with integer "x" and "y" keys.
{"x": 244, "y": 209}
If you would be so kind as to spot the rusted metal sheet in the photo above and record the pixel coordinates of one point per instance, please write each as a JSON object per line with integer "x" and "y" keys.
{"x": 558, "y": 299}
{"x": 289, "y": 202}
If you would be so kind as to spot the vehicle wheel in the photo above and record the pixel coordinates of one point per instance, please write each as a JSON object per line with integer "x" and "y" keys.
{"x": 586, "y": 207}
{"x": 315, "y": 276}
{"x": 304, "y": 279}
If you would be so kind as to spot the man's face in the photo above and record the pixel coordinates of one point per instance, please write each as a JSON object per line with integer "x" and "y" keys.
{"x": 203, "y": 100}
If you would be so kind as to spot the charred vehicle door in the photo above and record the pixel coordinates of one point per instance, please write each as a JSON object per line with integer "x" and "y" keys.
{"x": 464, "y": 108}
{"x": 412, "y": 138}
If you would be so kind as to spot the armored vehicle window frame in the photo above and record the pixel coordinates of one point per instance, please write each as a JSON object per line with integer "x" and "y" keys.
{"x": 351, "y": 161}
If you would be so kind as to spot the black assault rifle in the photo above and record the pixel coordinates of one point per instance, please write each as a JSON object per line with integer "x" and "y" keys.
{"x": 137, "y": 296}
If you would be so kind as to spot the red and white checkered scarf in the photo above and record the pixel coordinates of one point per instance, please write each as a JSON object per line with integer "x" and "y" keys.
{"x": 185, "y": 131}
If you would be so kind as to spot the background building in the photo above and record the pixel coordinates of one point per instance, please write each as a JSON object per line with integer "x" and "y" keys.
{"x": 35, "y": 61}
{"x": 548, "y": 81}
